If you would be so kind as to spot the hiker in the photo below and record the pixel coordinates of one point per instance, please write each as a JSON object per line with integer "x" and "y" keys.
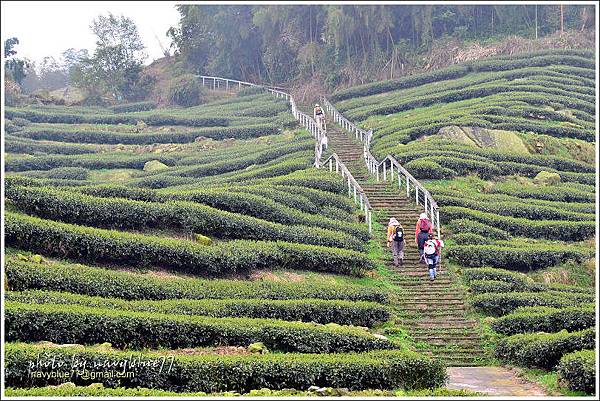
{"x": 395, "y": 239}
{"x": 422, "y": 229}
{"x": 432, "y": 251}
{"x": 318, "y": 115}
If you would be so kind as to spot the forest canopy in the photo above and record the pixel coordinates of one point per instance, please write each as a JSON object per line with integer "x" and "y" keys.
{"x": 347, "y": 43}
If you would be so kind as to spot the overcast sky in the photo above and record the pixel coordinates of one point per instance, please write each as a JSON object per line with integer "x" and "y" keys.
{"x": 49, "y": 28}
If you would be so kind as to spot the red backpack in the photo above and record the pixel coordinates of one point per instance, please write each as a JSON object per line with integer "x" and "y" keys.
{"x": 425, "y": 225}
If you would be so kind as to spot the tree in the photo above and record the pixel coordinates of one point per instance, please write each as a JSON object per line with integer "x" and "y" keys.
{"x": 15, "y": 68}
{"x": 117, "y": 61}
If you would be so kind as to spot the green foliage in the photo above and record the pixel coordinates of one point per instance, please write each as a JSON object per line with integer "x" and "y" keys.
{"x": 186, "y": 91}
{"x": 543, "y": 350}
{"x": 428, "y": 169}
{"x": 137, "y": 330}
{"x": 470, "y": 275}
{"x": 155, "y": 118}
{"x": 92, "y": 162}
{"x": 499, "y": 304}
{"x": 306, "y": 310}
{"x": 154, "y": 165}
{"x": 549, "y": 320}
{"x": 98, "y": 245}
{"x": 517, "y": 257}
{"x": 465, "y": 225}
{"x": 250, "y": 90}
{"x": 466, "y": 238}
{"x": 94, "y": 281}
{"x": 578, "y": 371}
{"x": 123, "y": 213}
{"x": 61, "y": 173}
{"x": 547, "y": 229}
{"x": 211, "y": 373}
{"x": 117, "y": 60}
{"x": 133, "y": 107}
{"x": 546, "y": 178}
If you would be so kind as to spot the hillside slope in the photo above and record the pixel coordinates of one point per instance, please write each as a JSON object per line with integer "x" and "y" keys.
{"x": 506, "y": 146}
{"x": 479, "y": 134}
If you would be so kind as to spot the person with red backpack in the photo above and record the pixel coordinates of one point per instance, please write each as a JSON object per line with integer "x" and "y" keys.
{"x": 432, "y": 249}
{"x": 395, "y": 239}
{"x": 422, "y": 230}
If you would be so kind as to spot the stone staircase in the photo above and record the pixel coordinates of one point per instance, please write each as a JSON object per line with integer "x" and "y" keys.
{"x": 434, "y": 313}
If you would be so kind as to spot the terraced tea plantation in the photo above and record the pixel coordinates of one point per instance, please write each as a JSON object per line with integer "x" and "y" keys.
{"x": 200, "y": 236}
{"x": 506, "y": 147}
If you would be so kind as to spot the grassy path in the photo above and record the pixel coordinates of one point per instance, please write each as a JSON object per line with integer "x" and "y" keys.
{"x": 434, "y": 313}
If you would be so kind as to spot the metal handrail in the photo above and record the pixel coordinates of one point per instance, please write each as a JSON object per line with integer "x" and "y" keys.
{"x": 373, "y": 166}
{"x": 311, "y": 125}
{"x": 354, "y": 188}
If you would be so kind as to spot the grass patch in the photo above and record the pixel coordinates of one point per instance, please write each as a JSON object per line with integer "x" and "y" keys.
{"x": 549, "y": 381}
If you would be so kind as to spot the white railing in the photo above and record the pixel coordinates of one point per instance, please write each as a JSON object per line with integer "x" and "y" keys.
{"x": 354, "y": 189}
{"x": 404, "y": 178}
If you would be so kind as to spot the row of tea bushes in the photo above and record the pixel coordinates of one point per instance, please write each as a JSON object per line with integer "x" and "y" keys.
{"x": 114, "y": 247}
{"x": 377, "y": 369}
{"x": 140, "y": 330}
{"x": 543, "y": 350}
{"x": 306, "y": 310}
{"x": 117, "y": 213}
{"x": 94, "y": 281}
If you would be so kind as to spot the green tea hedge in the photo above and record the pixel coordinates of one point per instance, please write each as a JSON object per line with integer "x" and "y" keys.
{"x": 107, "y": 246}
{"x": 518, "y": 258}
{"x": 115, "y": 137}
{"x": 124, "y": 213}
{"x": 460, "y": 226}
{"x": 95, "y": 281}
{"x": 138, "y": 330}
{"x": 499, "y": 304}
{"x": 211, "y": 373}
{"x": 578, "y": 371}
{"x": 306, "y": 310}
{"x": 549, "y": 320}
{"x": 543, "y": 350}
{"x": 547, "y": 229}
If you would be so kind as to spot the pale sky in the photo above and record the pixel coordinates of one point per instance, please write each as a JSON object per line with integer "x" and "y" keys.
{"x": 47, "y": 28}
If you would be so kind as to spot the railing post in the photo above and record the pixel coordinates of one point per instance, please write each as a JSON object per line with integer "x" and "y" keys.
{"x": 377, "y": 167}
{"x": 407, "y": 186}
{"x": 349, "y": 187}
{"x": 391, "y": 172}
{"x": 361, "y": 201}
{"x": 437, "y": 218}
{"x": 369, "y": 218}
{"x": 399, "y": 182}
{"x": 330, "y": 166}
{"x": 354, "y": 193}
{"x": 417, "y": 194}
{"x": 337, "y": 167}
{"x": 425, "y": 196}
{"x": 384, "y": 171}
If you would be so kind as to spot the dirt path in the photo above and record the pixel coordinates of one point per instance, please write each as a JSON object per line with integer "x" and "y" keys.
{"x": 493, "y": 381}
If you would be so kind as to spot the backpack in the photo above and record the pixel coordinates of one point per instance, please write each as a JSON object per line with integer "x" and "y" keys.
{"x": 430, "y": 248}
{"x": 425, "y": 225}
{"x": 398, "y": 234}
